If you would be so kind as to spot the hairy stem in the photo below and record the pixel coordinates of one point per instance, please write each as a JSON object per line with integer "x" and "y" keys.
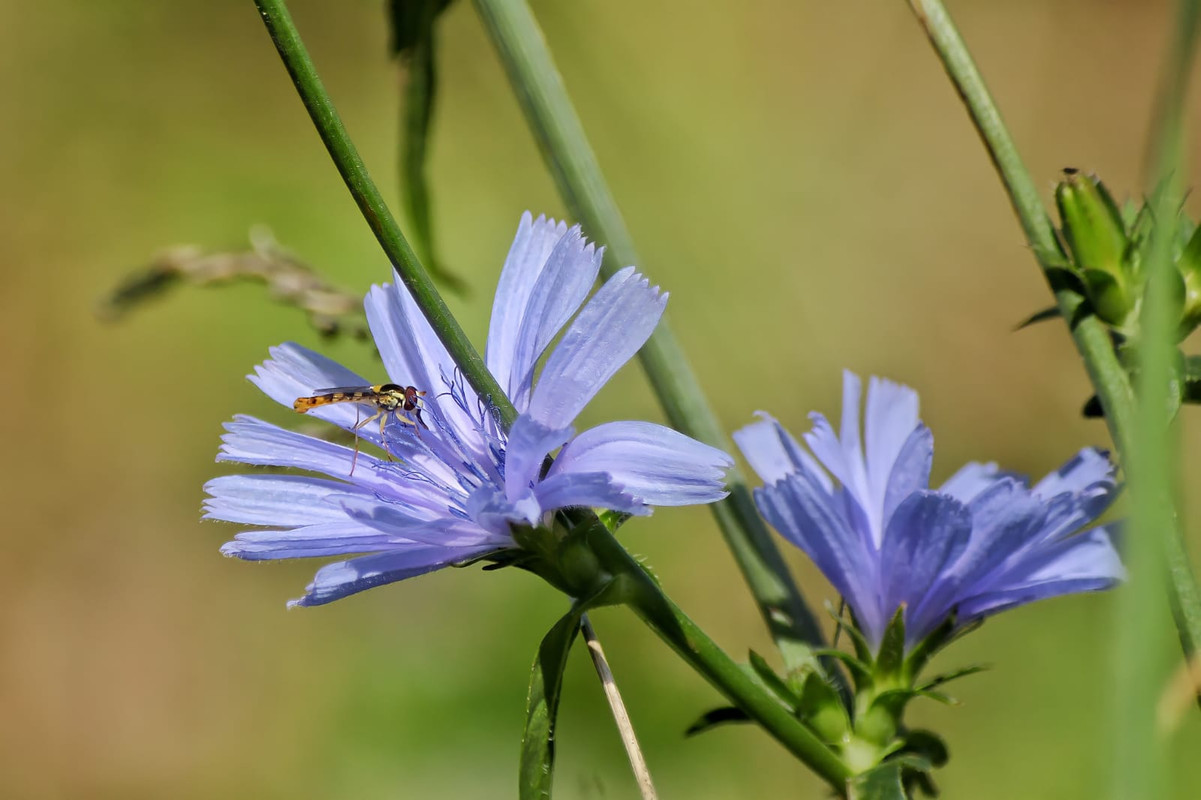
{"x": 346, "y": 158}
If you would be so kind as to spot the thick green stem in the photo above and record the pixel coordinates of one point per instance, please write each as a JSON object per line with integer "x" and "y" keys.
{"x": 1092, "y": 339}
{"x": 346, "y": 158}
{"x": 565, "y": 148}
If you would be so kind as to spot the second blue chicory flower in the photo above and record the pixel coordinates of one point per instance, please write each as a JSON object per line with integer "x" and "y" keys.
{"x": 456, "y": 489}
{"x": 859, "y": 504}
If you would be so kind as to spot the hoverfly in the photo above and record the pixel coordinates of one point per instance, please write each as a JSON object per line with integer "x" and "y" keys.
{"x": 386, "y": 398}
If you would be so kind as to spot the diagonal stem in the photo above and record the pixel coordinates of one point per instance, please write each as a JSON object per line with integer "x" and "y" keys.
{"x": 617, "y": 707}
{"x": 350, "y": 165}
{"x": 560, "y": 135}
{"x": 1092, "y": 340}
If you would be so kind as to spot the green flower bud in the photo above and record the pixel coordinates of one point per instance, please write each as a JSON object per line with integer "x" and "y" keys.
{"x": 1189, "y": 267}
{"x": 1096, "y": 238}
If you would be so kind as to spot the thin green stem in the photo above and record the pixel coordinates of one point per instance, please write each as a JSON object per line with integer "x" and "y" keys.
{"x": 1091, "y": 337}
{"x": 565, "y": 148}
{"x": 1109, "y": 379}
{"x": 346, "y": 158}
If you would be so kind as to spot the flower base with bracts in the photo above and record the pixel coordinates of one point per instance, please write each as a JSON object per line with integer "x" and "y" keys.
{"x": 461, "y": 489}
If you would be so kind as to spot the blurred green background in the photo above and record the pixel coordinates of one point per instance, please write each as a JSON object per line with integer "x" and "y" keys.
{"x": 800, "y": 176}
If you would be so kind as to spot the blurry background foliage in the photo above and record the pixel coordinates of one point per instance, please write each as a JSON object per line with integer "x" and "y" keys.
{"x": 800, "y": 176}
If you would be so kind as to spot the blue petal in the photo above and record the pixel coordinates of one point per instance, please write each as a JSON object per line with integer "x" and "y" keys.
{"x": 852, "y": 448}
{"x": 926, "y": 534}
{"x": 824, "y": 444}
{"x": 343, "y": 578}
{"x": 910, "y": 470}
{"x": 803, "y": 513}
{"x": 972, "y": 479}
{"x": 562, "y": 285}
{"x": 655, "y": 464}
{"x": 889, "y": 421}
{"x": 252, "y": 441}
{"x": 294, "y": 371}
{"x": 1082, "y": 563}
{"x": 417, "y": 524}
{"x": 528, "y": 254}
{"x": 594, "y": 490}
{"x": 529, "y": 443}
{"x": 847, "y": 469}
{"x": 413, "y": 355}
{"x": 495, "y": 512}
{"x": 1088, "y": 471}
{"x": 614, "y": 324}
{"x": 1005, "y": 518}
{"x": 276, "y": 500}
{"x": 327, "y": 539}
{"x": 773, "y": 453}
{"x": 1088, "y": 481}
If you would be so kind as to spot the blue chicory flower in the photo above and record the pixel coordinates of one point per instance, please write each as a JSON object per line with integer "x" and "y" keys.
{"x": 983, "y": 542}
{"x": 457, "y": 487}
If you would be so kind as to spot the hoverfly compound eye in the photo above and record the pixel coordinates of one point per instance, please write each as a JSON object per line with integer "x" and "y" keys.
{"x": 391, "y": 387}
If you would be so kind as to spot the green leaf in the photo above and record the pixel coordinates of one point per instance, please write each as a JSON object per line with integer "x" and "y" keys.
{"x": 612, "y": 519}
{"x": 1189, "y": 267}
{"x": 1039, "y": 316}
{"x": 942, "y": 636}
{"x": 947, "y": 677}
{"x": 861, "y": 673}
{"x": 1192, "y": 379}
{"x": 892, "y": 646}
{"x": 542, "y": 703}
{"x": 1108, "y": 296}
{"x": 880, "y": 783}
{"x": 414, "y": 40}
{"x": 718, "y": 716}
{"x": 862, "y": 649}
{"x": 928, "y": 745}
{"x": 408, "y": 21}
{"x": 773, "y": 681}
{"x": 822, "y": 710}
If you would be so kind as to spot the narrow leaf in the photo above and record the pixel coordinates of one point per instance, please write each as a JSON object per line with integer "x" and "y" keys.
{"x": 947, "y": 677}
{"x": 1039, "y": 316}
{"x": 542, "y": 704}
{"x": 718, "y": 716}
{"x": 773, "y": 681}
{"x": 892, "y": 646}
{"x": 414, "y": 40}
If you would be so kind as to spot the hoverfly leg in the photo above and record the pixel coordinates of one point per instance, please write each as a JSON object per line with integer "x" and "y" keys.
{"x": 355, "y": 430}
{"x": 383, "y": 419}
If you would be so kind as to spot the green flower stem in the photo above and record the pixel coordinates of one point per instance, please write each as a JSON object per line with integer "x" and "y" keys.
{"x": 642, "y": 594}
{"x": 1140, "y": 765}
{"x": 560, "y": 136}
{"x": 333, "y": 133}
{"x": 1092, "y": 339}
